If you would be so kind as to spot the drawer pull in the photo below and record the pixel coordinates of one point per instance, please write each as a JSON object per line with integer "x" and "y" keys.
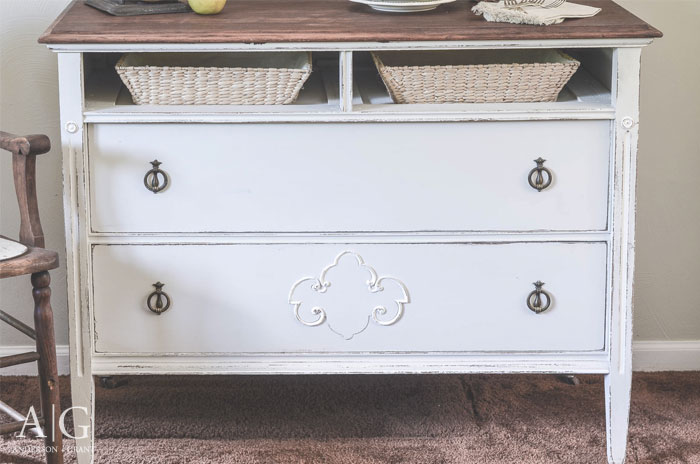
{"x": 534, "y": 299}
{"x": 539, "y": 183}
{"x": 152, "y": 181}
{"x": 162, "y": 302}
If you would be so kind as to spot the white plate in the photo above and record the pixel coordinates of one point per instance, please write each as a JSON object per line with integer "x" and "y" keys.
{"x": 10, "y": 249}
{"x": 403, "y": 6}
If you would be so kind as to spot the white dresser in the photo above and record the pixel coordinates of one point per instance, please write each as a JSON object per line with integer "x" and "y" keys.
{"x": 344, "y": 233}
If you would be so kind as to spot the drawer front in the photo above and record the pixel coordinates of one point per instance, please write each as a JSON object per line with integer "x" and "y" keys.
{"x": 350, "y": 177}
{"x": 322, "y": 298}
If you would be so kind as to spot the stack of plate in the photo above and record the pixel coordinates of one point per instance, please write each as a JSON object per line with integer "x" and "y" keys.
{"x": 403, "y": 6}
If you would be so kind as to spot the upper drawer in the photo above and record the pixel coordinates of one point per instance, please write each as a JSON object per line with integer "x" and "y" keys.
{"x": 350, "y": 177}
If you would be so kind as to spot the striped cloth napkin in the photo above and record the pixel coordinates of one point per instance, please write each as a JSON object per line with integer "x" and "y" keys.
{"x": 532, "y": 14}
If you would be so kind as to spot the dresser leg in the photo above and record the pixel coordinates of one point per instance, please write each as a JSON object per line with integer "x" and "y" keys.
{"x": 83, "y": 394}
{"x": 617, "y": 406}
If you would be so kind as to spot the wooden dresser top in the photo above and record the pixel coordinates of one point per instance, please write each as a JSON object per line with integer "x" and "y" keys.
{"x": 264, "y": 21}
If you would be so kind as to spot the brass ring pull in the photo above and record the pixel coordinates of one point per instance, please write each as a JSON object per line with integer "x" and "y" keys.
{"x": 539, "y": 183}
{"x": 162, "y": 302}
{"x": 152, "y": 181}
{"x": 534, "y": 299}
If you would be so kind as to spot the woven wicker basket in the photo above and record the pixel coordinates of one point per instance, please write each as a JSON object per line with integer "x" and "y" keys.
{"x": 267, "y": 78}
{"x": 479, "y": 76}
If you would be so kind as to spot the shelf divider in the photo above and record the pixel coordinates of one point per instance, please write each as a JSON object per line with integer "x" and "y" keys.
{"x": 346, "y": 81}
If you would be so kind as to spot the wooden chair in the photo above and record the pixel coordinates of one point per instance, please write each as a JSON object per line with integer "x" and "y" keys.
{"x": 28, "y": 256}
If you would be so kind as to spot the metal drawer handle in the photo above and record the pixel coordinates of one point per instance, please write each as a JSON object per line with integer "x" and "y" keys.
{"x": 152, "y": 181}
{"x": 161, "y": 306}
{"x": 534, "y": 299}
{"x": 538, "y": 183}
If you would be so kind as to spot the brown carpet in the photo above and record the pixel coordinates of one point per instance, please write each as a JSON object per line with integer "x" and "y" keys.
{"x": 482, "y": 419}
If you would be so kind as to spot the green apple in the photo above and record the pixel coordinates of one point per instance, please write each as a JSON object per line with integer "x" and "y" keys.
{"x": 206, "y": 7}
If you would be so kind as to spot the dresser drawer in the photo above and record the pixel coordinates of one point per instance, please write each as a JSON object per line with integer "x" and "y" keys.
{"x": 349, "y": 177}
{"x": 323, "y": 298}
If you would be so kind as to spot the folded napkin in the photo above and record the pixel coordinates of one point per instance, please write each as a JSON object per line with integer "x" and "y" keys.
{"x": 532, "y": 14}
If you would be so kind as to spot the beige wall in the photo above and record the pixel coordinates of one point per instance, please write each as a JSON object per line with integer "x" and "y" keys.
{"x": 29, "y": 104}
{"x": 667, "y": 279}
{"x": 668, "y": 227}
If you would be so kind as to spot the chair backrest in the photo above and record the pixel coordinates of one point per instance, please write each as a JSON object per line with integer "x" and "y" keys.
{"x": 24, "y": 151}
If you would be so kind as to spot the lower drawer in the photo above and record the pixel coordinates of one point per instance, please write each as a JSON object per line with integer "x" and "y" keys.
{"x": 315, "y": 298}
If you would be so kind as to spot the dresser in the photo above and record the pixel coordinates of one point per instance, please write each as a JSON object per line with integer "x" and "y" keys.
{"x": 344, "y": 233}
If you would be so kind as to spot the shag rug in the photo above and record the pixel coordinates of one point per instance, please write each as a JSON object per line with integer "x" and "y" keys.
{"x": 397, "y": 419}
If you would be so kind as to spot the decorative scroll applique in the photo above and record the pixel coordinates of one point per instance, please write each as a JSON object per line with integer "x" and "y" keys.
{"x": 320, "y": 314}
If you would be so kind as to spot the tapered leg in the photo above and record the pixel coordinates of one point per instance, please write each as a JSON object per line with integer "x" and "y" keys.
{"x": 619, "y": 379}
{"x": 48, "y": 371}
{"x": 617, "y": 407}
{"x": 83, "y": 394}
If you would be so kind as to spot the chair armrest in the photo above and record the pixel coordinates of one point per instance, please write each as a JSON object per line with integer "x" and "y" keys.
{"x": 25, "y": 145}
{"x": 23, "y": 151}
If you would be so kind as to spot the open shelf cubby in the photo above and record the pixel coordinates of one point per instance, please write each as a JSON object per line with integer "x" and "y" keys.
{"x": 346, "y": 84}
{"x": 589, "y": 88}
{"x": 105, "y": 93}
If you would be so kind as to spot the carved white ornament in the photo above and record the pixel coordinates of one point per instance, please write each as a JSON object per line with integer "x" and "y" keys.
{"x": 374, "y": 285}
{"x": 71, "y": 127}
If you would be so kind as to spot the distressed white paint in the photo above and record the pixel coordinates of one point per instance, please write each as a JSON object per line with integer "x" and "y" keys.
{"x": 664, "y": 309}
{"x": 70, "y": 76}
{"x": 618, "y": 382}
{"x": 666, "y": 293}
{"x": 588, "y": 328}
{"x": 463, "y": 297}
{"x": 648, "y": 357}
{"x": 501, "y": 363}
{"x": 346, "y": 81}
{"x": 386, "y": 177}
{"x": 340, "y": 237}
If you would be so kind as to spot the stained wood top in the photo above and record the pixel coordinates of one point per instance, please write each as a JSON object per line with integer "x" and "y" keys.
{"x": 265, "y": 21}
